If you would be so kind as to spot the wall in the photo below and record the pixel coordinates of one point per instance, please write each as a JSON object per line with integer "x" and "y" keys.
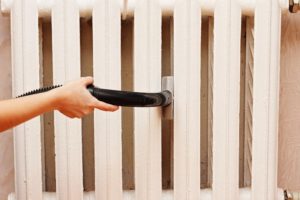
{"x": 6, "y": 138}
{"x": 289, "y": 126}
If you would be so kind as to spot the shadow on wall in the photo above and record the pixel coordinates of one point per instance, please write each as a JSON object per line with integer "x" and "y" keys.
{"x": 6, "y": 138}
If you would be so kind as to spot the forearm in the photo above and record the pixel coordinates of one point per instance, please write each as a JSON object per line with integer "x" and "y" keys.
{"x": 72, "y": 100}
{"x": 16, "y": 111}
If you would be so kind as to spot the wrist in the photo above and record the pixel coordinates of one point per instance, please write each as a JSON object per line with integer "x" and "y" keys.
{"x": 56, "y": 98}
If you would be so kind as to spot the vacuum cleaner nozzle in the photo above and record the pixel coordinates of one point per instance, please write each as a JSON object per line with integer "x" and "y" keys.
{"x": 127, "y": 98}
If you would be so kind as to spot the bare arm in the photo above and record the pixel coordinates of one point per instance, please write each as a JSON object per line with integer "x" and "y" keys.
{"x": 73, "y": 100}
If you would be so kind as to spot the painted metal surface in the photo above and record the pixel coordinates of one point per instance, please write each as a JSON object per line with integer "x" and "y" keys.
{"x": 224, "y": 73}
{"x": 66, "y": 67}
{"x": 267, "y": 25}
{"x": 226, "y": 77}
{"x": 26, "y": 73}
{"x": 107, "y": 126}
{"x": 147, "y": 122}
{"x": 128, "y": 6}
{"x": 187, "y": 27}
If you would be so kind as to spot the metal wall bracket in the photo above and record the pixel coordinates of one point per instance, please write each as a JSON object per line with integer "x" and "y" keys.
{"x": 168, "y": 84}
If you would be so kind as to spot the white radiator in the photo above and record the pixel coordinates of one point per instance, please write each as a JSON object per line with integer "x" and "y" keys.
{"x": 262, "y": 72}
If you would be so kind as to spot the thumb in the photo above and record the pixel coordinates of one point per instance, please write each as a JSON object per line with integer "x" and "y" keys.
{"x": 105, "y": 106}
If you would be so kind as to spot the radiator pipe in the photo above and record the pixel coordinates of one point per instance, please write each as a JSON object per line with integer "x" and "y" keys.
{"x": 128, "y": 6}
{"x": 205, "y": 194}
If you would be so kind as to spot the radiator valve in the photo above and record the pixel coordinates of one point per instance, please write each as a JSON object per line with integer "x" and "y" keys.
{"x": 294, "y": 6}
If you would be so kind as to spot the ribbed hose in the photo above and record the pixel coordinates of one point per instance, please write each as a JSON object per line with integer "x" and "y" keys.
{"x": 41, "y": 90}
{"x": 121, "y": 98}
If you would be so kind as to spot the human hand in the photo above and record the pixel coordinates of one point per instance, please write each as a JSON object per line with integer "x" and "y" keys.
{"x": 75, "y": 101}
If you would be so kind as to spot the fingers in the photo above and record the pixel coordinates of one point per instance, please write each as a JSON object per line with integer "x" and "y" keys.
{"x": 104, "y": 106}
{"x": 77, "y": 113}
{"x": 87, "y": 80}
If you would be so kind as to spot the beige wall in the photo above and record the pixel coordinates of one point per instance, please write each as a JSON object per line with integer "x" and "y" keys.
{"x": 289, "y": 126}
{"x": 6, "y": 139}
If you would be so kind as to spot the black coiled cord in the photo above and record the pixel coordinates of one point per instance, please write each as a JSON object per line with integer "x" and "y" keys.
{"x": 120, "y": 98}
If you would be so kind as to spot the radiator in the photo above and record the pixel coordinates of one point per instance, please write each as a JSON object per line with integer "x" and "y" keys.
{"x": 261, "y": 94}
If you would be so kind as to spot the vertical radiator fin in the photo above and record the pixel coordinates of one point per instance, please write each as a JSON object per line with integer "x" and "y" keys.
{"x": 265, "y": 99}
{"x": 66, "y": 67}
{"x": 26, "y": 75}
{"x": 147, "y": 77}
{"x": 187, "y": 36}
{"x": 226, "y": 78}
{"x": 107, "y": 74}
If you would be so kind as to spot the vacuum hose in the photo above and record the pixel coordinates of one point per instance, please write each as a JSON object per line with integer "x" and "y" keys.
{"x": 121, "y": 98}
